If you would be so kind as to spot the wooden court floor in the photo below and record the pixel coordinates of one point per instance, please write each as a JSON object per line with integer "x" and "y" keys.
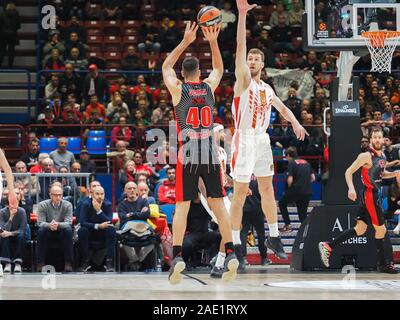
{"x": 265, "y": 283}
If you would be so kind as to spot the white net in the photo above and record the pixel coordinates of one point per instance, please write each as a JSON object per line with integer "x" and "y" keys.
{"x": 381, "y": 45}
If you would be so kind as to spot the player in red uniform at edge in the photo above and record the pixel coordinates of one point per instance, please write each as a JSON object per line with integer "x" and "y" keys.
{"x": 193, "y": 102}
{"x": 372, "y": 164}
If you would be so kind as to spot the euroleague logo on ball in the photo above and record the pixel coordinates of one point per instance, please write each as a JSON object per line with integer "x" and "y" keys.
{"x": 322, "y": 26}
{"x": 209, "y": 16}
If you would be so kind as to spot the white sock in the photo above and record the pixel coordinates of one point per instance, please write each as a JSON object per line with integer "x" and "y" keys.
{"x": 220, "y": 259}
{"x": 236, "y": 237}
{"x": 273, "y": 230}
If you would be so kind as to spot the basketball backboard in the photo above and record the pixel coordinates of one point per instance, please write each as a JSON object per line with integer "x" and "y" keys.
{"x": 337, "y": 25}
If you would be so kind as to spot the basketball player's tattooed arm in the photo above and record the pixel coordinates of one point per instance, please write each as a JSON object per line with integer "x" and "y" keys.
{"x": 298, "y": 129}
{"x": 12, "y": 198}
{"x": 363, "y": 159}
{"x": 211, "y": 34}
{"x": 169, "y": 76}
{"x": 242, "y": 71}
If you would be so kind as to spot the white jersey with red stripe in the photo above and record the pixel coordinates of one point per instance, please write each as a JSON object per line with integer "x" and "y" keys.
{"x": 252, "y": 109}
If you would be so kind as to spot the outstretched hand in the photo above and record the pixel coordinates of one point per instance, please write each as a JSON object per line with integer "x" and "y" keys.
{"x": 243, "y": 6}
{"x": 190, "y": 32}
{"x": 211, "y": 33}
{"x": 300, "y": 132}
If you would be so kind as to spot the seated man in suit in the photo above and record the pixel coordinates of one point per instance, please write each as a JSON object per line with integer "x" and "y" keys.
{"x": 95, "y": 220}
{"x": 198, "y": 234}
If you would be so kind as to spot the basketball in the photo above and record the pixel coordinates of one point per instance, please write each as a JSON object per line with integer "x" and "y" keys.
{"x": 209, "y": 16}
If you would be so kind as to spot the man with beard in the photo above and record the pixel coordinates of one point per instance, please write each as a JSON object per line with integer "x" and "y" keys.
{"x": 251, "y": 148}
{"x": 372, "y": 164}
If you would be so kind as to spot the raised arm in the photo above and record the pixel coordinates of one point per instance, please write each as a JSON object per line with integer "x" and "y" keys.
{"x": 242, "y": 71}
{"x": 12, "y": 198}
{"x": 298, "y": 129}
{"x": 169, "y": 76}
{"x": 211, "y": 34}
{"x": 362, "y": 159}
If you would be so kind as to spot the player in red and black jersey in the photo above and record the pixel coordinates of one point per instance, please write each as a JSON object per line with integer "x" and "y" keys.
{"x": 372, "y": 164}
{"x": 193, "y": 102}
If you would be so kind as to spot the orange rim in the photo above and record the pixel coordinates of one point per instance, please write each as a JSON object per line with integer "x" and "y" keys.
{"x": 377, "y": 38}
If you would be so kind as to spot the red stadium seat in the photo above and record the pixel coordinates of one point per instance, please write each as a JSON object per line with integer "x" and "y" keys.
{"x": 112, "y": 28}
{"x": 204, "y": 56}
{"x": 129, "y": 31}
{"x": 94, "y": 54}
{"x": 130, "y": 24}
{"x": 94, "y": 40}
{"x": 129, "y": 40}
{"x": 112, "y": 40}
{"x": 112, "y": 55}
{"x": 94, "y": 24}
{"x": 113, "y": 65}
{"x": 94, "y": 32}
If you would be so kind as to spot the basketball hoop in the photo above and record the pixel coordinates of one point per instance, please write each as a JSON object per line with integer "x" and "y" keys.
{"x": 381, "y": 45}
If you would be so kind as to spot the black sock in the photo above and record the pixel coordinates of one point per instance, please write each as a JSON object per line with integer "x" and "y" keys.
{"x": 229, "y": 248}
{"x": 177, "y": 251}
{"x": 381, "y": 251}
{"x": 345, "y": 235}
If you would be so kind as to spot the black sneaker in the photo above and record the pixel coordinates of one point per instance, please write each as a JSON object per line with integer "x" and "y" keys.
{"x": 109, "y": 267}
{"x": 85, "y": 267}
{"x": 230, "y": 268}
{"x": 239, "y": 255}
{"x": 275, "y": 244}
{"x": 388, "y": 268}
{"x": 178, "y": 265}
{"x": 265, "y": 261}
{"x": 217, "y": 272}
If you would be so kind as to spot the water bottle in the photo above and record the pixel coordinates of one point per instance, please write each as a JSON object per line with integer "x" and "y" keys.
{"x": 158, "y": 268}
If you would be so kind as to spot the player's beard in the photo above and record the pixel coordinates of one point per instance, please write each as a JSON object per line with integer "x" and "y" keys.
{"x": 255, "y": 73}
{"x": 377, "y": 146}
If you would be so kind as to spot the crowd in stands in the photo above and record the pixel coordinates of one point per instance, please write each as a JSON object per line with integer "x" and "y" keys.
{"x": 77, "y": 92}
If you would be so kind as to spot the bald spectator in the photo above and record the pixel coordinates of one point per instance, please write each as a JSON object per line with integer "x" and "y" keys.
{"x": 55, "y": 223}
{"x": 122, "y": 155}
{"x": 31, "y": 158}
{"x": 87, "y": 165}
{"x": 143, "y": 191}
{"x": 62, "y": 157}
{"x": 133, "y": 207}
{"x": 29, "y": 181}
{"x": 95, "y": 218}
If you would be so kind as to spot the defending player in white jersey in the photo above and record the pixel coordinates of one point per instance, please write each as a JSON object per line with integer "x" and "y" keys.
{"x": 251, "y": 149}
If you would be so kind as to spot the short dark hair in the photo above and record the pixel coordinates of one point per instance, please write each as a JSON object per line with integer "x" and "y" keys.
{"x": 33, "y": 140}
{"x": 190, "y": 65}
{"x": 291, "y": 152}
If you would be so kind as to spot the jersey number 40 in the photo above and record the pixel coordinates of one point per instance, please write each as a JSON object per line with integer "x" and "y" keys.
{"x": 195, "y": 119}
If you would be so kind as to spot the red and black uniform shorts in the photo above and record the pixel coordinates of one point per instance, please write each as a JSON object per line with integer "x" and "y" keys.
{"x": 370, "y": 209}
{"x": 187, "y": 181}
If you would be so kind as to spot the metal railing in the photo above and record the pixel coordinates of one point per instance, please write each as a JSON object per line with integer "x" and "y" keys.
{"x": 71, "y": 188}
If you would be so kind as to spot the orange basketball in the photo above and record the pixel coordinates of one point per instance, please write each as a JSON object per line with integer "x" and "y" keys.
{"x": 209, "y": 16}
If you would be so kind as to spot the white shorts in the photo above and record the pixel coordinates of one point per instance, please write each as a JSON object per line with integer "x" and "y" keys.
{"x": 251, "y": 154}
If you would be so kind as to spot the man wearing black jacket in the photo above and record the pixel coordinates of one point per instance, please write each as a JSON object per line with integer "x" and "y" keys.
{"x": 9, "y": 26}
{"x": 94, "y": 84}
{"x": 299, "y": 189}
{"x": 95, "y": 220}
{"x": 254, "y": 216}
{"x": 133, "y": 207}
{"x": 197, "y": 233}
